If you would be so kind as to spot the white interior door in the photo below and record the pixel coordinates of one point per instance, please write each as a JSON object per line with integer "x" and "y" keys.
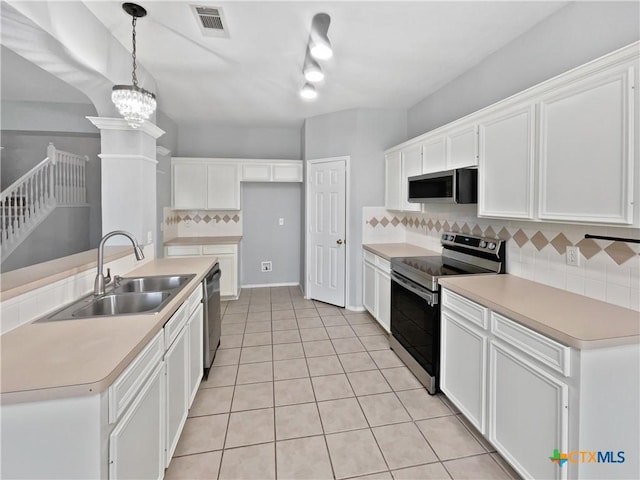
{"x": 326, "y": 225}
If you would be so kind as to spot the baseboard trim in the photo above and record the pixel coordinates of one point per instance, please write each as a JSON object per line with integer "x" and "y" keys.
{"x": 262, "y": 285}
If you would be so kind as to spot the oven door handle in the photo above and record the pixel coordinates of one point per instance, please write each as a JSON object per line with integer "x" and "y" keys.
{"x": 430, "y": 297}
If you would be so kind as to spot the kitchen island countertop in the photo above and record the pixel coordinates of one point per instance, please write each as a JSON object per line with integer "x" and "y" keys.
{"x": 66, "y": 358}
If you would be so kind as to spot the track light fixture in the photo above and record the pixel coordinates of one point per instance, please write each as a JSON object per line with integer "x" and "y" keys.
{"x": 312, "y": 71}
{"x": 319, "y": 44}
{"x": 308, "y": 92}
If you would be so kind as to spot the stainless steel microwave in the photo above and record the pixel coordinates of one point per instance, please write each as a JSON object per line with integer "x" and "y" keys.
{"x": 451, "y": 186}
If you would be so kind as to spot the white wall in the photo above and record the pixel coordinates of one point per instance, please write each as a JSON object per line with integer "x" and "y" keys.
{"x": 363, "y": 135}
{"x": 263, "y": 204}
{"x": 574, "y": 35}
{"x": 64, "y": 232}
{"x": 203, "y": 140}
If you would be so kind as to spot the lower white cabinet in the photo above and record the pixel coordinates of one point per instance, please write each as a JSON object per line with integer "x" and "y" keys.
{"x": 196, "y": 346}
{"x": 524, "y": 398}
{"x": 464, "y": 374}
{"x": 136, "y": 445}
{"x": 530, "y": 395}
{"x": 227, "y": 258}
{"x": 376, "y": 290}
{"x": 177, "y": 368}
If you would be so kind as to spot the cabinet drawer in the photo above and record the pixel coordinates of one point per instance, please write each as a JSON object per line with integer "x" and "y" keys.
{"x": 218, "y": 249}
{"x": 369, "y": 257}
{"x": 469, "y": 310}
{"x": 127, "y": 385}
{"x": 183, "y": 250}
{"x": 194, "y": 300}
{"x": 549, "y": 352}
{"x": 174, "y": 325}
{"x": 384, "y": 265}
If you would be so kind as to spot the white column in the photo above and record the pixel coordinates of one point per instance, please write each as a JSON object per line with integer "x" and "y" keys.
{"x": 128, "y": 158}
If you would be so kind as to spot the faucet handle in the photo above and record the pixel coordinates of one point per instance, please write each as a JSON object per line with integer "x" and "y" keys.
{"x": 107, "y": 279}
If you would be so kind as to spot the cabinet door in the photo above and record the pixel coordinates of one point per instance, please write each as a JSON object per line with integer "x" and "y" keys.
{"x": 177, "y": 373}
{"x": 136, "y": 445}
{"x": 434, "y": 155}
{"x": 505, "y": 170}
{"x": 194, "y": 327}
{"x": 463, "y": 367}
{"x": 393, "y": 182}
{"x": 411, "y": 166}
{"x": 229, "y": 278}
{"x": 462, "y": 148}
{"x": 383, "y": 293}
{"x": 252, "y": 172}
{"x": 223, "y": 187}
{"x": 189, "y": 186}
{"x": 529, "y": 413}
{"x": 287, "y": 173}
{"x": 369, "y": 288}
{"x": 585, "y": 155}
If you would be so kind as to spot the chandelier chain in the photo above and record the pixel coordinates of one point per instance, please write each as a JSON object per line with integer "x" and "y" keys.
{"x": 134, "y": 76}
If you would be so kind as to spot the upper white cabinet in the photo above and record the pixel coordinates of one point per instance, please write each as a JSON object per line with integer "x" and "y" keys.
{"x": 399, "y": 166}
{"x": 585, "y": 151}
{"x": 189, "y": 182}
{"x": 462, "y": 147}
{"x": 223, "y": 187}
{"x": 214, "y": 183}
{"x": 506, "y": 154}
{"x": 434, "y": 154}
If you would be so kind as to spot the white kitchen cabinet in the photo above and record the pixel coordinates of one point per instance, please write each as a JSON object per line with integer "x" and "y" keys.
{"x": 393, "y": 190}
{"x": 272, "y": 171}
{"x": 462, "y": 147}
{"x": 585, "y": 149}
{"x": 136, "y": 445}
{"x": 525, "y": 398}
{"x": 227, "y": 258}
{"x": 463, "y": 376}
{"x": 399, "y": 166}
{"x": 376, "y": 288}
{"x": 506, "y": 163}
{"x": 177, "y": 368}
{"x": 434, "y": 154}
{"x": 223, "y": 187}
{"x": 189, "y": 182}
{"x": 289, "y": 172}
{"x": 196, "y": 366}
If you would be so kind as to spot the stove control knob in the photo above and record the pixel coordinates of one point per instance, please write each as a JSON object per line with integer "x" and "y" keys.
{"x": 483, "y": 244}
{"x": 451, "y": 238}
{"x": 445, "y": 237}
{"x": 492, "y": 246}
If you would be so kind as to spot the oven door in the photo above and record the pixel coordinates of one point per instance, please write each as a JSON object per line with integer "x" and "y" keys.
{"x": 415, "y": 329}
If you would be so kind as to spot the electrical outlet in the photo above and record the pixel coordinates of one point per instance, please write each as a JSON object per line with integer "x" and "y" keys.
{"x": 281, "y": 221}
{"x": 573, "y": 256}
{"x": 265, "y": 266}
{"x": 149, "y": 237}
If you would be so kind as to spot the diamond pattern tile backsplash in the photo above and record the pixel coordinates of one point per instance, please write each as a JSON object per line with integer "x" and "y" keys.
{"x": 201, "y": 223}
{"x": 608, "y": 270}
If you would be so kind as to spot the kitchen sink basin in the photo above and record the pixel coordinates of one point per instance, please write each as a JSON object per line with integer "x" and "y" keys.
{"x": 119, "y": 304}
{"x": 152, "y": 284}
{"x": 131, "y": 296}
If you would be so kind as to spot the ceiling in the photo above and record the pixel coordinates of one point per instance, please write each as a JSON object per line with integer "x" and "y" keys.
{"x": 386, "y": 54}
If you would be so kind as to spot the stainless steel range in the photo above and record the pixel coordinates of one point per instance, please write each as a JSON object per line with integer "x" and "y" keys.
{"x": 415, "y": 305}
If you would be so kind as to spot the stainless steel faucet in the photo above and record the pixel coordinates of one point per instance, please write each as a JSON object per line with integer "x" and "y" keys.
{"x": 101, "y": 280}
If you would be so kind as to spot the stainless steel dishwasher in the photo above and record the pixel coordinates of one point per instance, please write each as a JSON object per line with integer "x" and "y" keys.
{"x": 212, "y": 321}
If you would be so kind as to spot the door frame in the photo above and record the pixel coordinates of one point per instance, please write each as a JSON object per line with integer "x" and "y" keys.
{"x": 347, "y": 221}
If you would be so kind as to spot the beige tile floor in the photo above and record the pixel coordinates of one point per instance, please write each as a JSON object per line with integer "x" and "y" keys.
{"x": 304, "y": 390}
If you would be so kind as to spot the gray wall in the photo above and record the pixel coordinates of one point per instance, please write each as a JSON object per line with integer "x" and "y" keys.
{"x": 64, "y": 232}
{"x": 263, "y": 239}
{"x": 363, "y": 135}
{"x": 25, "y": 149}
{"x": 576, "y": 34}
{"x": 202, "y": 140}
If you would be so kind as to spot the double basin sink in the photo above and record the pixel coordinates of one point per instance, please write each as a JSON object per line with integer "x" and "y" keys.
{"x": 129, "y": 296}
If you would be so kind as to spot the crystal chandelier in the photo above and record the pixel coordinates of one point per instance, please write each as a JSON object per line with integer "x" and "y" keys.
{"x": 134, "y": 103}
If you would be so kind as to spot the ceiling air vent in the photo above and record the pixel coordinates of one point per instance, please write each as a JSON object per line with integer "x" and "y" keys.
{"x": 211, "y": 21}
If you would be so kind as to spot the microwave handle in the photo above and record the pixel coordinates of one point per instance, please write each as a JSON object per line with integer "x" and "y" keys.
{"x": 431, "y": 298}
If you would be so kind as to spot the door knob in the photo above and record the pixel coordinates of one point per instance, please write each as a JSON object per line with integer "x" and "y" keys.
{"x": 339, "y": 241}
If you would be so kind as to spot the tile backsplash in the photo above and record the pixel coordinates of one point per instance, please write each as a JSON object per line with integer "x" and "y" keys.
{"x": 201, "y": 223}
{"x": 608, "y": 271}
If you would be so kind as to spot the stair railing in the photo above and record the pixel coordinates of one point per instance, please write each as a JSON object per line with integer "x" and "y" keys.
{"x": 59, "y": 179}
